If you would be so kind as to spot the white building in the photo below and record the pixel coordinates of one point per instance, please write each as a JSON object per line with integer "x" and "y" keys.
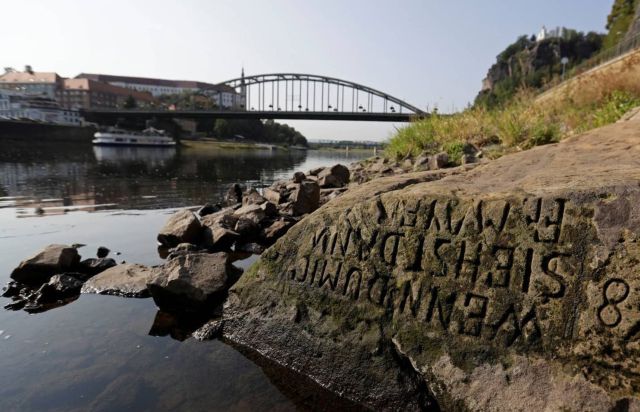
{"x": 17, "y": 106}
{"x": 549, "y": 34}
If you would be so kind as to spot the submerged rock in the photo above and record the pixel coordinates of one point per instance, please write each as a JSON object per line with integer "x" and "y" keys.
{"x": 59, "y": 287}
{"x": 102, "y": 252}
{"x": 183, "y": 226}
{"x": 511, "y": 286}
{"x": 128, "y": 280}
{"x": 193, "y": 282}
{"x": 39, "y": 268}
{"x": 93, "y": 266}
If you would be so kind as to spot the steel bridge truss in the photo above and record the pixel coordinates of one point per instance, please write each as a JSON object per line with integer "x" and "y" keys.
{"x": 296, "y": 92}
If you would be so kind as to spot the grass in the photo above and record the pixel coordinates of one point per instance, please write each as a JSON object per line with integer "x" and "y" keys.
{"x": 593, "y": 101}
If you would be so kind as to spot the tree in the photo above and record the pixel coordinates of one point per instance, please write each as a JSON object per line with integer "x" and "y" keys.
{"x": 130, "y": 103}
{"x": 221, "y": 129}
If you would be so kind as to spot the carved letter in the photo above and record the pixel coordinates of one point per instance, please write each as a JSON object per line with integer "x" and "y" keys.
{"x": 477, "y": 310}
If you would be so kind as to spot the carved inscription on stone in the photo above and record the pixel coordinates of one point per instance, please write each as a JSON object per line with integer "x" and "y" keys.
{"x": 487, "y": 270}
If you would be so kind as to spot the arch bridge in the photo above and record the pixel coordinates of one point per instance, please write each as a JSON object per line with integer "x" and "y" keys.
{"x": 292, "y": 96}
{"x": 298, "y": 92}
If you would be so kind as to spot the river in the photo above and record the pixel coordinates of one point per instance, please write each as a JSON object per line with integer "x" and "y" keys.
{"x": 105, "y": 353}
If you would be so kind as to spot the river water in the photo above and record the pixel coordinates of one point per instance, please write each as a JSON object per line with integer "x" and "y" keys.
{"x": 105, "y": 353}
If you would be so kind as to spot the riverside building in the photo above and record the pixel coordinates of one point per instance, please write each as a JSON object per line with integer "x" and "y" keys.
{"x": 223, "y": 96}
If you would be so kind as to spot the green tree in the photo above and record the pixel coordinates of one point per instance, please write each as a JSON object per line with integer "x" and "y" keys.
{"x": 221, "y": 129}
{"x": 130, "y": 103}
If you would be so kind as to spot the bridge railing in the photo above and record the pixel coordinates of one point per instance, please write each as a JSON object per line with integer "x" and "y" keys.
{"x": 605, "y": 56}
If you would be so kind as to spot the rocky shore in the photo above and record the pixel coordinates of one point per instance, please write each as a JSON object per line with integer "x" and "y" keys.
{"x": 199, "y": 245}
{"x": 418, "y": 284}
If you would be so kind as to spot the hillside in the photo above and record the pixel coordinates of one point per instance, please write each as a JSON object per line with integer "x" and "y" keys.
{"x": 623, "y": 21}
{"x": 531, "y": 63}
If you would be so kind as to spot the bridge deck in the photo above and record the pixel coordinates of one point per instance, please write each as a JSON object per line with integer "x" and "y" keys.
{"x": 112, "y": 114}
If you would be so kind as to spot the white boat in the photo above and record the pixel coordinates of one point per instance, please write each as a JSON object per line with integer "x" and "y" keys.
{"x": 119, "y": 137}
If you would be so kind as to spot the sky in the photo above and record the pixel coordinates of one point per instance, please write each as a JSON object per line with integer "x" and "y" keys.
{"x": 427, "y": 52}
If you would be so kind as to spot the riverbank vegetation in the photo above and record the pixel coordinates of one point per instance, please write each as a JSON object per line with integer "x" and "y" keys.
{"x": 524, "y": 122}
{"x": 257, "y": 131}
{"x": 510, "y": 114}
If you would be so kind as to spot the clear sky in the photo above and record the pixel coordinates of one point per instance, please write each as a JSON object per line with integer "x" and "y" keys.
{"x": 427, "y": 52}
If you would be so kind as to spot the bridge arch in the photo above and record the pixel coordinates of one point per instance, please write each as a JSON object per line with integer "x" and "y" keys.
{"x": 299, "y": 92}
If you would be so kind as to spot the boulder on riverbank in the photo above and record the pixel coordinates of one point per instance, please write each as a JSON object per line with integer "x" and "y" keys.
{"x": 183, "y": 226}
{"x": 128, "y": 280}
{"x": 195, "y": 282}
{"x": 39, "y": 268}
{"x": 512, "y": 285}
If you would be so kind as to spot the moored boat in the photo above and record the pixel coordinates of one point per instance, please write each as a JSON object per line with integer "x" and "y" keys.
{"x": 119, "y": 137}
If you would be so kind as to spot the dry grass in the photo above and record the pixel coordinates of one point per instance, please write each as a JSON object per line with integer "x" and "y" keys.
{"x": 592, "y": 101}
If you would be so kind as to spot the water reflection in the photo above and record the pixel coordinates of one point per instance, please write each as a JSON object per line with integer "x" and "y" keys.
{"x": 131, "y": 153}
{"x": 97, "y": 353}
{"x": 57, "y": 178}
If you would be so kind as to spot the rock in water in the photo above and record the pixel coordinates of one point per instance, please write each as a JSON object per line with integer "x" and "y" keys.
{"x": 51, "y": 260}
{"x": 102, "y": 252}
{"x": 93, "y": 266}
{"x": 129, "y": 280}
{"x": 59, "y": 287}
{"x": 514, "y": 285}
{"x": 193, "y": 282}
{"x": 182, "y": 227}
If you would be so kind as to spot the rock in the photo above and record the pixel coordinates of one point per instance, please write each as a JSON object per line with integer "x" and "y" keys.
{"x": 306, "y": 198}
{"x": 252, "y": 197}
{"x": 12, "y": 289}
{"x": 468, "y": 158}
{"x": 183, "y": 226}
{"x": 246, "y": 228}
{"x": 51, "y": 260}
{"x": 273, "y": 195}
{"x": 128, "y": 280}
{"x": 298, "y": 177}
{"x": 513, "y": 285}
{"x": 252, "y": 248}
{"x": 234, "y": 194}
{"x": 316, "y": 171}
{"x": 193, "y": 282}
{"x": 93, "y": 266}
{"x": 252, "y": 212}
{"x": 421, "y": 163}
{"x": 219, "y": 238}
{"x": 59, "y": 287}
{"x": 209, "y": 209}
{"x": 269, "y": 208}
{"x": 276, "y": 230}
{"x": 225, "y": 218}
{"x": 210, "y": 330}
{"x": 438, "y": 161}
{"x": 334, "y": 176}
{"x": 183, "y": 249}
{"x": 103, "y": 252}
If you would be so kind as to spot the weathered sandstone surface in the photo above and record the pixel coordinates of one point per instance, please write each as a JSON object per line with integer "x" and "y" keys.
{"x": 512, "y": 286}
